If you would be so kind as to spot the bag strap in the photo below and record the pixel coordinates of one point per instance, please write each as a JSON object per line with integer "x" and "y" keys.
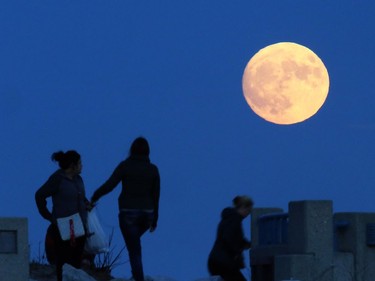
{"x": 72, "y": 234}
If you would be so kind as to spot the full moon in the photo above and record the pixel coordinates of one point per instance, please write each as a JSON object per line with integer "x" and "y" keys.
{"x": 285, "y": 83}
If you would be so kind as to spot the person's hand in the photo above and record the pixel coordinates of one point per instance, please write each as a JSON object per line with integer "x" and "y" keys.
{"x": 90, "y": 205}
{"x": 53, "y": 221}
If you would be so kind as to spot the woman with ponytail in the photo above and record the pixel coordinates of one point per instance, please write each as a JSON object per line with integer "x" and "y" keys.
{"x": 226, "y": 259}
{"x": 65, "y": 187}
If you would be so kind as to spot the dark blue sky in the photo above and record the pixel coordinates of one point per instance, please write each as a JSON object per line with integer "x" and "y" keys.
{"x": 93, "y": 75}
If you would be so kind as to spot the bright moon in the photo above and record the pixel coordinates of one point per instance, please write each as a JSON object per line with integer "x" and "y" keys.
{"x": 285, "y": 83}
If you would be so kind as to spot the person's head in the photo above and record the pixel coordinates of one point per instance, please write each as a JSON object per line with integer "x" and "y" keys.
{"x": 243, "y": 204}
{"x": 70, "y": 160}
{"x": 139, "y": 147}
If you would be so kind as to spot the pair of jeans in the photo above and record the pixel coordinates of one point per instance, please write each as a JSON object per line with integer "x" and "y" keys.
{"x": 133, "y": 224}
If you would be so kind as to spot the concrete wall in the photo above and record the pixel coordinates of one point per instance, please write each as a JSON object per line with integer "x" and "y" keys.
{"x": 294, "y": 267}
{"x": 255, "y": 214}
{"x": 14, "y": 249}
{"x": 261, "y": 257}
{"x": 344, "y": 267}
{"x": 354, "y": 235}
{"x": 307, "y": 253}
{"x": 320, "y": 245}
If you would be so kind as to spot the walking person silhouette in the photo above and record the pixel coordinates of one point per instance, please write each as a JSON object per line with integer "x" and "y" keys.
{"x": 226, "y": 258}
{"x": 138, "y": 201}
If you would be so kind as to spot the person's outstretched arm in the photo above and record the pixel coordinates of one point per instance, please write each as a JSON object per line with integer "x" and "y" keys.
{"x": 110, "y": 184}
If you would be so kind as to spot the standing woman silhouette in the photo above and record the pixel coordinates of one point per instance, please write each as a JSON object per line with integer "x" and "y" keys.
{"x": 138, "y": 201}
{"x": 67, "y": 190}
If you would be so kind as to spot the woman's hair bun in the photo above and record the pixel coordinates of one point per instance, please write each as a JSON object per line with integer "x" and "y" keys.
{"x": 66, "y": 159}
{"x": 58, "y": 156}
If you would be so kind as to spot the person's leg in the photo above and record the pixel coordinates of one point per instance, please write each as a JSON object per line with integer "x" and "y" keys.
{"x": 67, "y": 253}
{"x": 132, "y": 234}
{"x": 217, "y": 269}
{"x": 232, "y": 275}
{"x": 50, "y": 245}
{"x": 213, "y": 268}
{"x": 145, "y": 221}
{"x": 60, "y": 251}
{"x": 76, "y": 252}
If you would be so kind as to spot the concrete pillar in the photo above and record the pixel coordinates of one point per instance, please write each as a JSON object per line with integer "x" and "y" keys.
{"x": 310, "y": 233}
{"x": 14, "y": 249}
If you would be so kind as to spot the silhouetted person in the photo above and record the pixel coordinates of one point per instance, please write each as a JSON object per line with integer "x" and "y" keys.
{"x": 226, "y": 259}
{"x": 138, "y": 201}
{"x": 67, "y": 190}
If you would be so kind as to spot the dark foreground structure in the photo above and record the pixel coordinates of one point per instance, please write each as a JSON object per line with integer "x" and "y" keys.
{"x": 311, "y": 243}
{"x": 14, "y": 249}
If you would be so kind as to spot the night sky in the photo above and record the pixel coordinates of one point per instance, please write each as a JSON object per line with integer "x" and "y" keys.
{"x": 94, "y": 75}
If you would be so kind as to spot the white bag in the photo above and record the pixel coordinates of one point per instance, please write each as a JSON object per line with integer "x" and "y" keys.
{"x": 70, "y": 227}
{"x": 96, "y": 241}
